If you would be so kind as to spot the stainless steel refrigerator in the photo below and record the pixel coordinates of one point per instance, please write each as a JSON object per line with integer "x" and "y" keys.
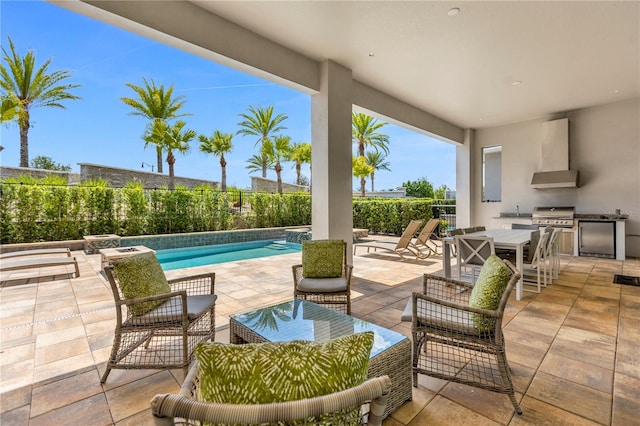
{"x": 597, "y": 239}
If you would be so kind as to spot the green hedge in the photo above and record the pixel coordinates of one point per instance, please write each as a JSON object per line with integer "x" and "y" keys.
{"x": 389, "y": 216}
{"x": 33, "y": 210}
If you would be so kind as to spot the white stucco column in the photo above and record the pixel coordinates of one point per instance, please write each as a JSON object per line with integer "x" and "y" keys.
{"x": 331, "y": 177}
{"x": 464, "y": 180}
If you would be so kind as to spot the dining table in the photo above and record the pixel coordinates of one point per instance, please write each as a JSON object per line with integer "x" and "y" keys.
{"x": 510, "y": 239}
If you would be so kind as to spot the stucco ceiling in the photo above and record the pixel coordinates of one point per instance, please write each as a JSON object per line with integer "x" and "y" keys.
{"x": 493, "y": 63}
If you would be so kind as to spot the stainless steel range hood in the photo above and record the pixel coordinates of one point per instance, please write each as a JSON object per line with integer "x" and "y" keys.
{"x": 554, "y": 160}
{"x": 556, "y": 179}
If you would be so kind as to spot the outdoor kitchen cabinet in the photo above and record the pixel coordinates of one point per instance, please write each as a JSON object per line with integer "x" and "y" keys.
{"x": 566, "y": 244}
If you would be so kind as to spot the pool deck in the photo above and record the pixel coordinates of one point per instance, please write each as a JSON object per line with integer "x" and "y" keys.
{"x": 579, "y": 335}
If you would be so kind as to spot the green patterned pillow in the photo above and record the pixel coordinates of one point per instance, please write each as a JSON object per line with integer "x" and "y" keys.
{"x": 262, "y": 373}
{"x": 141, "y": 275}
{"x": 322, "y": 258}
{"x": 487, "y": 292}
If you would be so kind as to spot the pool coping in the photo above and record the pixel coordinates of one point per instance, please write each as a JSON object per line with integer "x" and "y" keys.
{"x": 195, "y": 239}
{"x": 166, "y": 241}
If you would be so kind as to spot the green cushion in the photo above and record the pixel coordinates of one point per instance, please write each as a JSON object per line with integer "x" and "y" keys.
{"x": 262, "y": 373}
{"x": 487, "y": 292}
{"x": 322, "y": 258}
{"x": 141, "y": 275}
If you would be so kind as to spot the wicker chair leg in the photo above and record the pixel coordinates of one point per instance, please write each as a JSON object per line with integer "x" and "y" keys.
{"x": 515, "y": 403}
{"x": 106, "y": 373}
{"x": 117, "y": 340}
{"x": 503, "y": 365}
{"x": 417, "y": 344}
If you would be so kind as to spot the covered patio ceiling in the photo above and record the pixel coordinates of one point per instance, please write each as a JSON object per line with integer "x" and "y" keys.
{"x": 438, "y": 68}
{"x": 470, "y": 64}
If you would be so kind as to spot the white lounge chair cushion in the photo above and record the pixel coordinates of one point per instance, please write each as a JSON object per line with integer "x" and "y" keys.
{"x": 440, "y": 316}
{"x": 36, "y": 252}
{"x": 171, "y": 310}
{"x": 322, "y": 285}
{"x": 16, "y": 264}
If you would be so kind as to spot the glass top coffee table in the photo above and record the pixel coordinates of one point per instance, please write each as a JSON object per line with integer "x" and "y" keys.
{"x": 302, "y": 320}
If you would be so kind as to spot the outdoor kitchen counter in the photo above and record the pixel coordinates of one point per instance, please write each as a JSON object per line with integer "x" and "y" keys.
{"x": 514, "y": 215}
{"x": 601, "y": 217}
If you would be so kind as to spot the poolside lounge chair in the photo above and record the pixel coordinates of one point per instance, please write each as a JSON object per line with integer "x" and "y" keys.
{"x": 15, "y": 265}
{"x": 402, "y": 247}
{"x": 424, "y": 243}
{"x": 37, "y": 252}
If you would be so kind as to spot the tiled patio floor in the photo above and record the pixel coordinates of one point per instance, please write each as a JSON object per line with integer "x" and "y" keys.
{"x": 573, "y": 348}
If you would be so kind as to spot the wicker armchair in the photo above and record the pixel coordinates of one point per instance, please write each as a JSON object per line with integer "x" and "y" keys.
{"x": 338, "y": 408}
{"x": 333, "y": 292}
{"x": 448, "y": 345}
{"x": 165, "y": 336}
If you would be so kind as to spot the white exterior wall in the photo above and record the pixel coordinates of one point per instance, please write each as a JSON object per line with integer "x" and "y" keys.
{"x": 604, "y": 146}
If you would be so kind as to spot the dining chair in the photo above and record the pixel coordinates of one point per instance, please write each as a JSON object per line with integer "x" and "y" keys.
{"x": 537, "y": 266}
{"x": 552, "y": 254}
{"x": 472, "y": 253}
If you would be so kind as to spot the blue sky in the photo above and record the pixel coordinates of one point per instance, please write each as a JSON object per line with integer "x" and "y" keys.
{"x": 99, "y": 129}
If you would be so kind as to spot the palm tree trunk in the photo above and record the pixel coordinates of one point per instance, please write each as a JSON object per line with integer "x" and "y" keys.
{"x": 171, "y": 161}
{"x": 159, "y": 157}
{"x": 362, "y": 186}
{"x": 372, "y": 190}
{"x": 223, "y": 180}
{"x": 278, "y": 174}
{"x": 24, "y": 140}
{"x": 298, "y": 169}
{"x": 264, "y": 166}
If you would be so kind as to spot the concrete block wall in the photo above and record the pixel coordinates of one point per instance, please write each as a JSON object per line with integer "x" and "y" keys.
{"x": 117, "y": 177}
{"x": 259, "y": 184}
{"x": 14, "y": 172}
{"x": 114, "y": 176}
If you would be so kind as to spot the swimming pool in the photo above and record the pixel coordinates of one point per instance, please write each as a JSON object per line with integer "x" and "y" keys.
{"x": 188, "y": 257}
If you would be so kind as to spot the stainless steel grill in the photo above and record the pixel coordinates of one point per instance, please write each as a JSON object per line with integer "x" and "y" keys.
{"x": 559, "y": 217}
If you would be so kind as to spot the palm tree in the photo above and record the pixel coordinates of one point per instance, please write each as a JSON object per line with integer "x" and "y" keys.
{"x": 156, "y": 104}
{"x": 280, "y": 149}
{"x": 8, "y": 109}
{"x": 300, "y": 153}
{"x": 170, "y": 138}
{"x": 260, "y": 122}
{"x": 361, "y": 169}
{"x": 218, "y": 144}
{"x": 255, "y": 163}
{"x": 31, "y": 87}
{"x": 376, "y": 160}
{"x": 364, "y": 133}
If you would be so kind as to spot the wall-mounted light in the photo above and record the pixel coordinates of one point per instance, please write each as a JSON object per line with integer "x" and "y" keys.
{"x": 148, "y": 165}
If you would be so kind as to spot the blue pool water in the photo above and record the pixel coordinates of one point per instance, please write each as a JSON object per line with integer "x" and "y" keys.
{"x": 188, "y": 257}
